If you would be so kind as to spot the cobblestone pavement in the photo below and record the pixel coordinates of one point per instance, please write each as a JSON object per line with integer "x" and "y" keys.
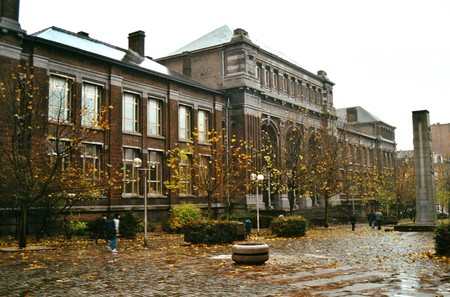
{"x": 333, "y": 262}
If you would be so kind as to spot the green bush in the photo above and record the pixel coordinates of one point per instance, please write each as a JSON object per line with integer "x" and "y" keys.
{"x": 442, "y": 238}
{"x": 211, "y": 232}
{"x": 78, "y": 227}
{"x": 130, "y": 225}
{"x": 294, "y": 226}
{"x": 183, "y": 215}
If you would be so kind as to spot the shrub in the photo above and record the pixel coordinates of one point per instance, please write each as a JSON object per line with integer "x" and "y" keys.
{"x": 78, "y": 227}
{"x": 183, "y": 215}
{"x": 211, "y": 232}
{"x": 294, "y": 226}
{"x": 442, "y": 238}
{"x": 130, "y": 225}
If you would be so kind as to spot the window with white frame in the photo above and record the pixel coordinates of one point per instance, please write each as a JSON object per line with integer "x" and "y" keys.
{"x": 91, "y": 156}
{"x": 258, "y": 71}
{"x": 203, "y": 125}
{"x": 185, "y": 175}
{"x": 204, "y": 171}
{"x": 60, "y": 152}
{"x": 60, "y": 92}
{"x": 130, "y": 173}
{"x": 130, "y": 114}
{"x": 90, "y": 105}
{"x": 266, "y": 77}
{"x": 275, "y": 81}
{"x": 155, "y": 172}
{"x": 184, "y": 122}
{"x": 154, "y": 117}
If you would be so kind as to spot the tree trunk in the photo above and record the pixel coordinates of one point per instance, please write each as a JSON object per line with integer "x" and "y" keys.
{"x": 325, "y": 223}
{"x": 23, "y": 228}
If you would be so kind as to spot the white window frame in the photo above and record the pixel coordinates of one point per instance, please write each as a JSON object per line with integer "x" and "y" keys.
{"x": 154, "y": 165}
{"x": 59, "y": 97}
{"x": 185, "y": 176}
{"x": 203, "y": 120}
{"x": 91, "y": 104}
{"x": 130, "y": 113}
{"x": 130, "y": 173}
{"x": 91, "y": 155}
{"x": 154, "y": 117}
{"x": 184, "y": 122}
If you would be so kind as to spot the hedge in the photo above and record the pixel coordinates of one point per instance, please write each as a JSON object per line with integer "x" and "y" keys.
{"x": 292, "y": 226}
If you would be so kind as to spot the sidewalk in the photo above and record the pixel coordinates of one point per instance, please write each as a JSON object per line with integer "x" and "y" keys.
{"x": 326, "y": 262}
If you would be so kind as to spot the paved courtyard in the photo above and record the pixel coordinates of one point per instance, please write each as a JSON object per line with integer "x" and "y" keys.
{"x": 333, "y": 262}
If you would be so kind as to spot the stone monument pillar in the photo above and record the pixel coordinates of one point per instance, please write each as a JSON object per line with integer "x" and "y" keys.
{"x": 426, "y": 213}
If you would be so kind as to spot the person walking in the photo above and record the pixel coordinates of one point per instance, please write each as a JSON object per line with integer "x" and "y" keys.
{"x": 113, "y": 229}
{"x": 100, "y": 225}
{"x": 379, "y": 219}
{"x": 371, "y": 218}
{"x": 353, "y": 220}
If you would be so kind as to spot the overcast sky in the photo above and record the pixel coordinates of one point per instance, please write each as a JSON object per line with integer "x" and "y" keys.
{"x": 390, "y": 57}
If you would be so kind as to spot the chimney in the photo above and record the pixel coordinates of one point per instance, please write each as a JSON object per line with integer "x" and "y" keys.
{"x": 136, "y": 42}
{"x": 9, "y": 15}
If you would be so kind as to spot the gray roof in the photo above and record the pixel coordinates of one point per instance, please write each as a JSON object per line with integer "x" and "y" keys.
{"x": 363, "y": 115}
{"x": 223, "y": 35}
{"x": 105, "y": 50}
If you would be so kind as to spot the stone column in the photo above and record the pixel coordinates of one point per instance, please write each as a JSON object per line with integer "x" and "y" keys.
{"x": 424, "y": 173}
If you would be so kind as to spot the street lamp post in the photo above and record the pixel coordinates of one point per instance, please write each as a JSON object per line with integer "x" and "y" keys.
{"x": 137, "y": 163}
{"x": 257, "y": 178}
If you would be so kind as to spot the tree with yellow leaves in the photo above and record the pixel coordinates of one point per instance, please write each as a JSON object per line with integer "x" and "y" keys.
{"x": 214, "y": 169}
{"x": 44, "y": 167}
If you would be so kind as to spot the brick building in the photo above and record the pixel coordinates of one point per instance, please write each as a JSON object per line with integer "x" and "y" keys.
{"x": 221, "y": 81}
{"x": 269, "y": 95}
{"x": 150, "y": 109}
{"x": 440, "y": 138}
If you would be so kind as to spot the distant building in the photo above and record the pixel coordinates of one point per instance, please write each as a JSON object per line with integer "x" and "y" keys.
{"x": 440, "y": 139}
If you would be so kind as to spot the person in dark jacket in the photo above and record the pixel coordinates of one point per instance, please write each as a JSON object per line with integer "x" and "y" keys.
{"x": 100, "y": 225}
{"x": 353, "y": 220}
{"x": 371, "y": 218}
{"x": 114, "y": 231}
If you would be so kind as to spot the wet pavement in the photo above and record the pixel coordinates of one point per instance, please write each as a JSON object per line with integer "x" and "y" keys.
{"x": 326, "y": 262}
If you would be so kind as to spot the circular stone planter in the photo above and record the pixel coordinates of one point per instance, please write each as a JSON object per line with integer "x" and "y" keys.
{"x": 250, "y": 253}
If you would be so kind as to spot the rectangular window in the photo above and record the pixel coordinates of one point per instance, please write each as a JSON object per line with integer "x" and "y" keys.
{"x": 155, "y": 173}
{"x": 130, "y": 115}
{"x": 90, "y": 105}
{"x": 285, "y": 84}
{"x": 185, "y": 176}
{"x": 154, "y": 117}
{"x": 203, "y": 125}
{"x": 275, "y": 81}
{"x": 266, "y": 77}
{"x": 60, "y": 152}
{"x": 130, "y": 173}
{"x": 91, "y": 156}
{"x": 292, "y": 88}
{"x": 60, "y": 92}
{"x": 258, "y": 71}
{"x": 204, "y": 171}
{"x": 300, "y": 89}
{"x": 184, "y": 122}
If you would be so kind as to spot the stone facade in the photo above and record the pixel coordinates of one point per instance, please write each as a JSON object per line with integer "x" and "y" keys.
{"x": 269, "y": 94}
